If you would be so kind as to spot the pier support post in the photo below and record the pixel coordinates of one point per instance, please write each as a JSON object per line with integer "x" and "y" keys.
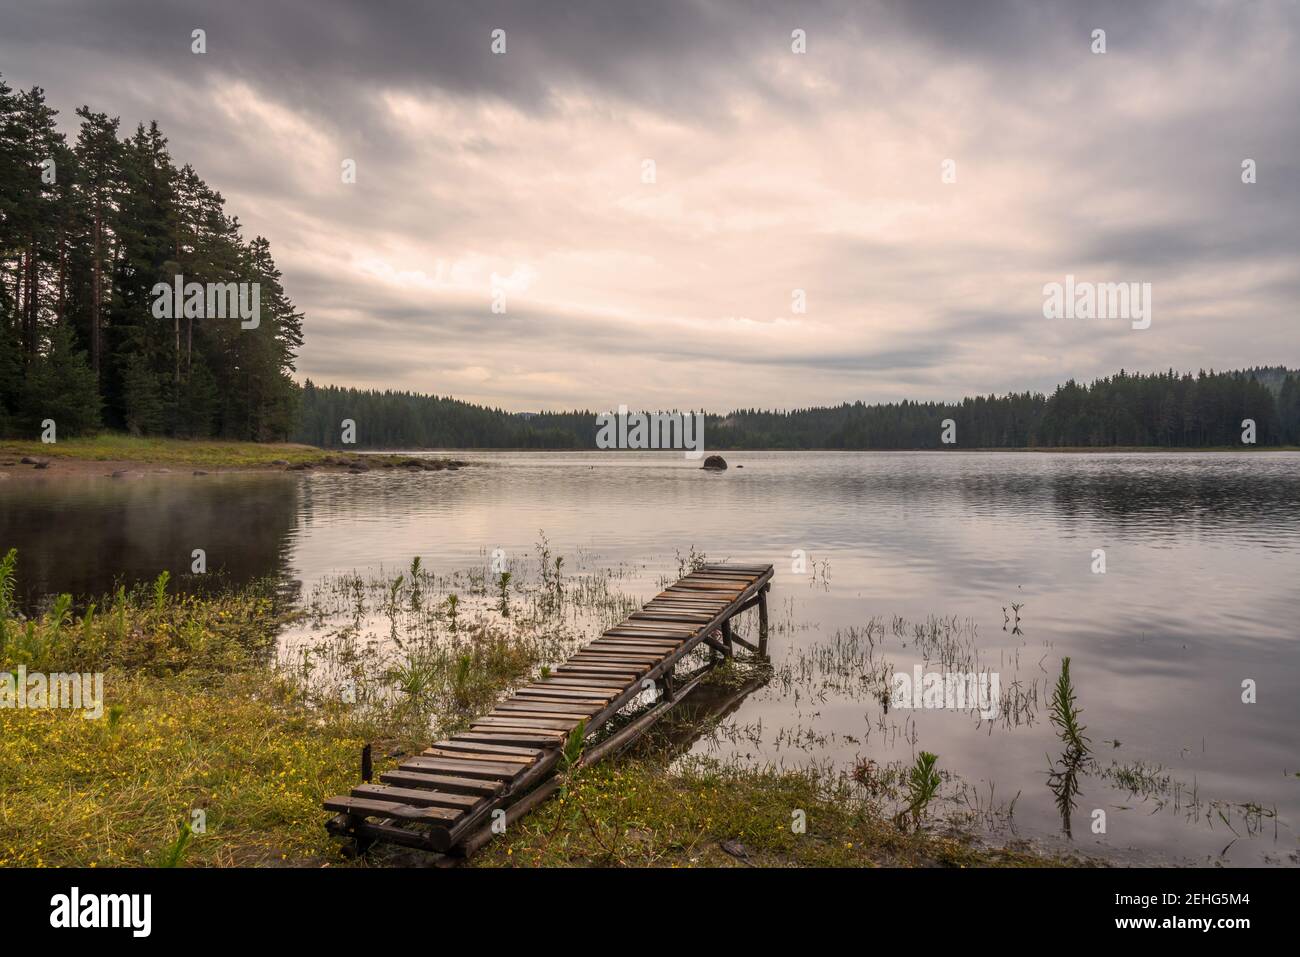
{"x": 666, "y": 690}
{"x": 762, "y": 621}
{"x": 726, "y": 639}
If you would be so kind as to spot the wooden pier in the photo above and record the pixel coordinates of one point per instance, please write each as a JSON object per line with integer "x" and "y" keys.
{"x": 443, "y": 800}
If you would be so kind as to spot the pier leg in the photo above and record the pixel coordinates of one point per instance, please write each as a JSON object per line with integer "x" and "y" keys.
{"x": 762, "y": 621}
{"x": 666, "y": 690}
{"x": 726, "y": 639}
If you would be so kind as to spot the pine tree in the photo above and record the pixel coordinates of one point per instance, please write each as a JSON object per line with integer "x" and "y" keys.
{"x": 60, "y": 386}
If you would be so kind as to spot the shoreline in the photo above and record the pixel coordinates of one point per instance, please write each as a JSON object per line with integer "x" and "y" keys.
{"x": 119, "y": 456}
{"x": 201, "y": 711}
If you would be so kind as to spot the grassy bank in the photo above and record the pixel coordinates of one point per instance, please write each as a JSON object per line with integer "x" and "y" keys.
{"x": 115, "y": 447}
{"x": 154, "y": 452}
{"x": 199, "y": 715}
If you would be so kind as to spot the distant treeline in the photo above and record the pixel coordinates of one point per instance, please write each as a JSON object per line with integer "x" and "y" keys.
{"x": 87, "y": 228}
{"x": 1167, "y": 409}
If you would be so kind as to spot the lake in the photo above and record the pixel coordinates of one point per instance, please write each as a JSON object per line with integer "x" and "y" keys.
{"x": 982, "y": 562}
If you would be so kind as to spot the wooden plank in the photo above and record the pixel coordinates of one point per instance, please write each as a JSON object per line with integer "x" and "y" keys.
{"x": 624, "y": 642}
{"x": 534, "y": 691}
{"x": 522, "y": 722}
{"x": 669, "y": 629}
{"x": 689, "y": 602}
{"x": 576, "y": 707}
{"x": 508, "y": 737}
{"x": 368, "y": 807}
{"x": 450, "y": 745}
{"x": 451, "y": 753}
{"x": 570, "y": 701}
{"x": 551, "y": 735}
{"x": 659, "y": 650}
{"x": 612, "y": 668}
{"x": 691, "y": 616}
{"x": 573, "y": 717}
{"x": 627, "y": 644}
{"x": 464, "y": 769}
{"x": 441, "y": 782}
{"x": 616, "y": 673}
{"x": 578, "y": 681}
{"x": 642, "y": 662}
{"x": 631, "y": 635}
{"x": 681, "y": 601}
{"x": 416, "y": 797}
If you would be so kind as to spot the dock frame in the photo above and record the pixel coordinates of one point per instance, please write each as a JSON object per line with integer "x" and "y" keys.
{"x": 445, "y": 800}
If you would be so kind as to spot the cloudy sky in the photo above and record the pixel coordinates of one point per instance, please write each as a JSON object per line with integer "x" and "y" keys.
{"x": 774, "y": 171}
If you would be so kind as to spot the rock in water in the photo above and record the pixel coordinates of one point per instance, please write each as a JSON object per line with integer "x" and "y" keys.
{"x": 715, "y": 463}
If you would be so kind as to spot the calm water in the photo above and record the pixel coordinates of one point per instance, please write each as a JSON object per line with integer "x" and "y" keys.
{"x": 1201, "y": 592}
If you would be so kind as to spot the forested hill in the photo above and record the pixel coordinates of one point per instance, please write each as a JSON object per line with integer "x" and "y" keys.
{"x": 88, "y": 226}
{"x": 1164, "y": 409}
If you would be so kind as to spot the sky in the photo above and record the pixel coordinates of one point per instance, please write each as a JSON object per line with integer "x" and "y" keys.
{"x": 666, "y": 205}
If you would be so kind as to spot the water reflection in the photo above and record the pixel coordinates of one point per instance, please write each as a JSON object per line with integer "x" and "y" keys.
{"x": 86, "y": 536}
{"x": 989, "y": 555}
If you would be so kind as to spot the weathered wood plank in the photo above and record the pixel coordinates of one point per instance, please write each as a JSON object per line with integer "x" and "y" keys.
{"x": 441, "y": 782}
{"x": 368, "y": 807}
{"x": 464, "y": 769}
{"x": 452, "y": 745}
{"x": 416, "y": 797}
{"x": 491, "y": 758}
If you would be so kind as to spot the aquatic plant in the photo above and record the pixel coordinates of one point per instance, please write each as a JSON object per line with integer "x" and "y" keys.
{"x": 8, "y": 574}
{"x": 461, "y": 681}
{"x": 503, "y": 587}
{"x": 160, "y": 591}
{"x": 1064, "y": 714}
{"x": 922, "y": 784}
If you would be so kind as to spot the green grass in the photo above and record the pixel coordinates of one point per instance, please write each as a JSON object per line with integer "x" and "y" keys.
{"x": 199, "y": 716}
{"x": 206, "y": 453}
{"x": 639, "y": 813}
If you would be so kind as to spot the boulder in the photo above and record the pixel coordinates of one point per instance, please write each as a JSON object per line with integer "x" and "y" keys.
{"x": 715, "y": 463}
